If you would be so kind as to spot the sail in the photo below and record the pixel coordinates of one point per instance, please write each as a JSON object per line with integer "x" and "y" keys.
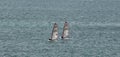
{"x": 54, "y": 34}
{"x": 65, "y": 32}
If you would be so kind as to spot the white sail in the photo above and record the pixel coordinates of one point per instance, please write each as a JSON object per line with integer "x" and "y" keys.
{"x": 54, "y": 34}
{"x": 65, "y": 32}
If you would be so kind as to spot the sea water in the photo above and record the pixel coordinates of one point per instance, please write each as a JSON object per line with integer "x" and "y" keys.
{"x": 26, "y": 26}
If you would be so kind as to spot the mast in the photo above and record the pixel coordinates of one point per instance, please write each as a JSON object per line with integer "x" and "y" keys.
{"x": 65, "y": 32}
{"x": 54, "y": 34}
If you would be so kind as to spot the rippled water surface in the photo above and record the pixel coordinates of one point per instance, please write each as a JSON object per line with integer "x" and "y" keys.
{"x": 26, "y": 26}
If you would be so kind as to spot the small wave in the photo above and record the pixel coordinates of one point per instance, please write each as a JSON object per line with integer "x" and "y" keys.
{"x": 94, "y": 24}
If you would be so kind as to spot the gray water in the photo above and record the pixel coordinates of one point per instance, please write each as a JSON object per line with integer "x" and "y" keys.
{"x": 26, "y": 26}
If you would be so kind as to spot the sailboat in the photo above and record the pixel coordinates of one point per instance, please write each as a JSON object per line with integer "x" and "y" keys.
{"x": 65, "y": 32}
{"x": 54, "y": 35}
